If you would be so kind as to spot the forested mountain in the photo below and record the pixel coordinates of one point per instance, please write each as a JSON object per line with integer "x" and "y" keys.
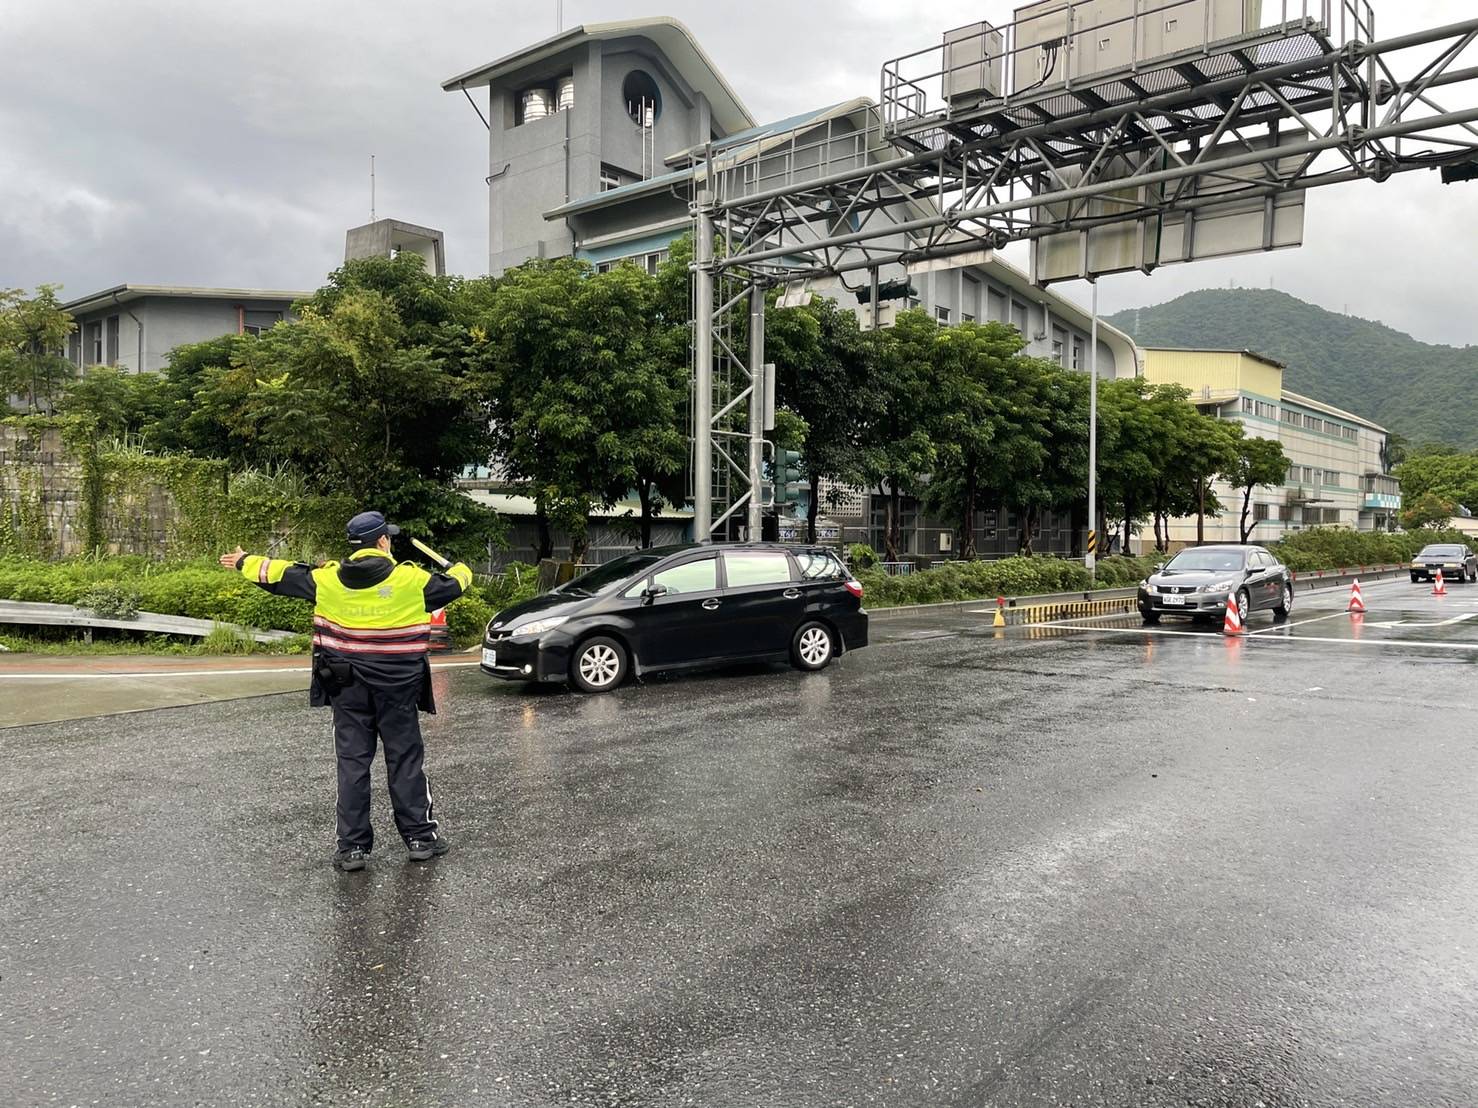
{"x": 1422, "y": 391}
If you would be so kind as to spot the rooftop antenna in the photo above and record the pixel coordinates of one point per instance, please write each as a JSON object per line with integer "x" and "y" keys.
{"x": 372, "y": 188}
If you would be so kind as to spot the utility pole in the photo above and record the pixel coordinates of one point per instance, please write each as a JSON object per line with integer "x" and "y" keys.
{"x": 372, "y": 188}
{"x": 1091, "y": 557}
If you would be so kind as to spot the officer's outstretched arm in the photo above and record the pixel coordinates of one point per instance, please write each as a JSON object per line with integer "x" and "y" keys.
{"x": 275, "y": 575}
{"x": 443, "y": 588}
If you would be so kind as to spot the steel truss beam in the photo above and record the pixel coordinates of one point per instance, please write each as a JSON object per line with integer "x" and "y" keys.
{"x": 1232, "y": 131}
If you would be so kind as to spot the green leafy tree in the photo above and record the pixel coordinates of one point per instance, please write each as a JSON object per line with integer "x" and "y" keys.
{"x": 33, "y": 337}
{"x": 1205, "y": 448}
{"x": 827, "y": 374}
{"x": 1428, "y": 511}
{"x": 585, "y": 388}
{"x": 1257, "y": 461}
{"x": 1449, "y": 476}
{"x": 119, "y": 404}
{"x": 1128, "y": 454}
{"x": 898, "y": 447}
{"x": 1060, "y": 480}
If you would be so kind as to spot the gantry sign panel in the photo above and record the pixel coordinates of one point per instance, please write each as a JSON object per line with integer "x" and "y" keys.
{"x": 1110, "y": 134}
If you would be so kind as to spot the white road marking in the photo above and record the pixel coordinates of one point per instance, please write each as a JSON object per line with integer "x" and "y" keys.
{"x": 113, "y": 675}
{"x": 1212, "y": 636}
{"x": 1298, "y": 623}
{"x": 1424, "y": 623}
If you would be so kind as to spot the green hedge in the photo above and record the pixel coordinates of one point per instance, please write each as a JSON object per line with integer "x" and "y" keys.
{"x": 1332, "y": 548}
{"x": 1304, "y": 552}
{"x": 200, "y": 590}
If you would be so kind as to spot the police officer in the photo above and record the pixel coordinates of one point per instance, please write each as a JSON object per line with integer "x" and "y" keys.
{"x": 371, "y": 632}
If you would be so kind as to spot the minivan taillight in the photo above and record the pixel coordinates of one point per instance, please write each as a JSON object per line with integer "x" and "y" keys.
{"x": 854, "y": 587}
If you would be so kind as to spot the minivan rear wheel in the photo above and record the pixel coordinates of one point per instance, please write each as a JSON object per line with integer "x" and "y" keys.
{"x": 599, "y": 665}
{"x": 813, "y": 647}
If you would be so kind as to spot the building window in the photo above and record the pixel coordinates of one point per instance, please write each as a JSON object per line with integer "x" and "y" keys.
{"x": 1247, "y": 404}
{"x": 1018, "y": 317}
{"x": 941, "y": 313}
{"x": 92, "y": 348}
{"x": 1261, "y": 513}
{"x": 608, "y": 179}
{"x": 969, "y": 297}
{"x": 112, "y": 349}
{"x": 1059, "y": 346}
{"x": 913, "y": 302}
{"x": 997, "y": 312}
{"x": 966, "y": 317}
{"x": 254, "y": 323}
{"x": 1290, "y": 417}
{"x": 1078, "y": 362}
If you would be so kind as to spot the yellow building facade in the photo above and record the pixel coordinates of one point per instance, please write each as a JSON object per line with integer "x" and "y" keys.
{"x": 1338, "y": 475}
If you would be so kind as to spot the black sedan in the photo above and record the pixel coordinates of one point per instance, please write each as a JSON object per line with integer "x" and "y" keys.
{"x": 1454, "y": 560}
{"x": 1197, "y": 582}
{"x": 680, "y": 607}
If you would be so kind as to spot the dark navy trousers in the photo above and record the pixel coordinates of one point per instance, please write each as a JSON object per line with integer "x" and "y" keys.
{"x": 361, "y": 714}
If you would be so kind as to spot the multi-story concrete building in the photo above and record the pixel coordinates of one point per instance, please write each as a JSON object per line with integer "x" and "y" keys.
{"x": 598, "y": 136}
{"x": 1339, "y": 476}
{"x": 136, "y": 326}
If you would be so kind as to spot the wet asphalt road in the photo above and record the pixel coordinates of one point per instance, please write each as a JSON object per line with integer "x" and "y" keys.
{"x": 1052, "y": 867}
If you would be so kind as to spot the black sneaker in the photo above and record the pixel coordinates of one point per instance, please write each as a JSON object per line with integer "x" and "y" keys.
{"x": 350, "y": 860}
{"x": 425, "y": 849}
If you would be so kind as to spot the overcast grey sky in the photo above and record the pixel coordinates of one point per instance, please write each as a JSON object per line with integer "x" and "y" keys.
{"x": 197, "y": 142}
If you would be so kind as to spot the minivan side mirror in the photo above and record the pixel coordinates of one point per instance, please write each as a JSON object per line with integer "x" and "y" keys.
{"x": 653, "y": 592}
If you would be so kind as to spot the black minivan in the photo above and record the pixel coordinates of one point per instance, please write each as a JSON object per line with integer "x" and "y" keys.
{"x": 679, "y": 607}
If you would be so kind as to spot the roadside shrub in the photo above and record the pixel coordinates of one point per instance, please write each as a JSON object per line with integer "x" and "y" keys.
{"x": 1333, "y": 548}
{"x": 1121, "y": 571}
{"x": 518, "y": 582}
{"x": 467, "y": 617}
{"x": 227, "y": 640}
{"x": 110, "y": 600}
{"x": 861, "y": 556}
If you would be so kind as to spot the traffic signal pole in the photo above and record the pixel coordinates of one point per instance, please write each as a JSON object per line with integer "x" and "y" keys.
{"x": 703, "y": 373}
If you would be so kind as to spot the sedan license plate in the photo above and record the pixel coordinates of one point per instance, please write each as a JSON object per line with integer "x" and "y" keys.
{"x": 1174, "y": 601}
{"x": 489, "y": 657}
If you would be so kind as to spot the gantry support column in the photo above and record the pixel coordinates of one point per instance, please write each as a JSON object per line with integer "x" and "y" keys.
{"x": 756, "y": 407}
{"x": 703, "y": 371}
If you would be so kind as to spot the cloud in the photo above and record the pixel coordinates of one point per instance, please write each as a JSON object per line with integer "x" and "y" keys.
{"x": 175, "y": 141}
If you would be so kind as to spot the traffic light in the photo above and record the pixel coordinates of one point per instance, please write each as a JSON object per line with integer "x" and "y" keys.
{"x": 787, "y": 476}
{"x": 887, "y": 290}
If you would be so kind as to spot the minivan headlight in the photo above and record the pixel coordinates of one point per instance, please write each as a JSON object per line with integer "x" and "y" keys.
{"x": 539, "y": 626}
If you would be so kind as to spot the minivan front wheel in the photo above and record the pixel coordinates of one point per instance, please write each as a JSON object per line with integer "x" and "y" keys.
{"x": 813, "y": 646}
{"x": 599, "y": 665}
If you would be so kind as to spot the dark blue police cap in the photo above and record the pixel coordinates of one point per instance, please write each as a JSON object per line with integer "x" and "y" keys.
{"x": 366, "y": 528}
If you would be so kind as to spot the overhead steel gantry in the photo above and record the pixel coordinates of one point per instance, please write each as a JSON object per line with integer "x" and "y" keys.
{"x": 1102, "y": 170}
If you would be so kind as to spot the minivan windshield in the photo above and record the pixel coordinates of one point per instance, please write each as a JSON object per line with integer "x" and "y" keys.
{"x": 1202, "y": 561}
{"x": 1442, "y": 552}
{"x": 602, "y": 579}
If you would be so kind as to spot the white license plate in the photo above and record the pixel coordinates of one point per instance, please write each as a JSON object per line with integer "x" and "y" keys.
{"x": 489, "y": 657}
{"x": 1170, "y": 602}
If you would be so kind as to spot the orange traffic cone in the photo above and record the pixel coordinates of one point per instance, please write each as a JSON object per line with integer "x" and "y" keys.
{"x": 1232, "y": 624}
{"x": 441, "y": 638}
{"x": 1357, "y": 602}
{"x": 1439, "y": 587}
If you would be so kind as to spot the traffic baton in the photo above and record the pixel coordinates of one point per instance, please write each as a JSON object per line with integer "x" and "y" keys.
{"x": 433, "y": 555}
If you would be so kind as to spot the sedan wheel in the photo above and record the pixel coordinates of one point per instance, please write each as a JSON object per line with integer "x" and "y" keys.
{"x": 813, "y": 647}
{"x": 1244, "y": 604}
{"x": 599, "y": 665}
{"x": 1286, "y": 604}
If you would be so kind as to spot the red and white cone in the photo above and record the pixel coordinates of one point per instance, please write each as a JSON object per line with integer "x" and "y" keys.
{"x": 441, "y": 638}
{"x": 1357, "y": 602}
{"x": 1439, "y": 586}
{"x": 1232, "y": 624}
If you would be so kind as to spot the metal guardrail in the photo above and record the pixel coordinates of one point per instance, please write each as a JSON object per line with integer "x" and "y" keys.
{"x": 28, "y": 614}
